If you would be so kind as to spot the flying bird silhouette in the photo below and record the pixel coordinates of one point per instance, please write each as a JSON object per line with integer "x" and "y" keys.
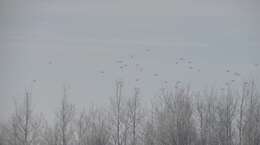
{"x": 237, "y": 74}
{"x": 119, "y": 61}
{"x": 181, "y": 58}
{"x": 156, "y": 74}
{"x": 147, "y": 50}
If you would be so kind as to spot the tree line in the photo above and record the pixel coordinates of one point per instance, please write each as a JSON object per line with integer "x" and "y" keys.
{"x": 229, "y": 116}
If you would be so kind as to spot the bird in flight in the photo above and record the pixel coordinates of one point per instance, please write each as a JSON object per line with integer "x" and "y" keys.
{"x": 119, "y": 61}
{"x": 237, "y": 74}
{"x": 156, "y": 74}
{"x": 246, "y": 83}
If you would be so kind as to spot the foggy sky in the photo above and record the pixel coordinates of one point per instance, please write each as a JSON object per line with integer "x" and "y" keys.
{"x": 56, "y": 42}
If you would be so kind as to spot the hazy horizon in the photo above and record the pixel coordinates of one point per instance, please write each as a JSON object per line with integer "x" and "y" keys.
{"x": 45, "y": 44}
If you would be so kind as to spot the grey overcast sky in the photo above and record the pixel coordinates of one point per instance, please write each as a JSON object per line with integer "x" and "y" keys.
{"x": 47, "y": 43}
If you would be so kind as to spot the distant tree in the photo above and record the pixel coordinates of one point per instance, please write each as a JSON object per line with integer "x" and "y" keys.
{"x": 50, "y": 136}
{"x": 207, "y": 117}
{"x": 82, "y": 128}
{"x": 175, "y": 125}
{"x": 65, "y": 118}
{"x": 119, "y": 130}
{"x": 251, "y": 126}
{"x": 24, "y": 127}
{"x": 226, "y": 113}
{"x": 135, "y": 115}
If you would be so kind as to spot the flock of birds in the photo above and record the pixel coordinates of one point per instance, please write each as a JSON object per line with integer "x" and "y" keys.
{"x": 123, "y": 65}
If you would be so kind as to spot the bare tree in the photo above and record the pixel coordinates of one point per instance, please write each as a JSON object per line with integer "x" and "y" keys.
{"x": 82, "y": 128}
{"x": 174, "y": 125}
{"x": 118, "y": 115}
{"x": 65, "y": 118}
{"x": 99, "y": 129}
{"x": 50, "y": 136}
{"x": 226, "y": 111}
{"x": 24, "y": 128}
{"x": 135, "y": 114}
{"x": 251, "y": 127}
{"x": 245, "y": 94}
{"x": 206, "y": 110}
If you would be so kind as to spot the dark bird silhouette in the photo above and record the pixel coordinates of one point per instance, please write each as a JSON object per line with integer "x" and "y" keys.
{"x": 156, "y": 74}
{"x": 119, "y": 61}
{"x": 178, "y": 82}
{"x": 245, "y": 83}
{"x": 227, "y": 70}
{"x": 237, "y": 74}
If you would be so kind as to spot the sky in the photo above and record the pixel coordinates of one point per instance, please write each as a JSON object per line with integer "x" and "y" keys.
{"x": 45, "y": 44}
